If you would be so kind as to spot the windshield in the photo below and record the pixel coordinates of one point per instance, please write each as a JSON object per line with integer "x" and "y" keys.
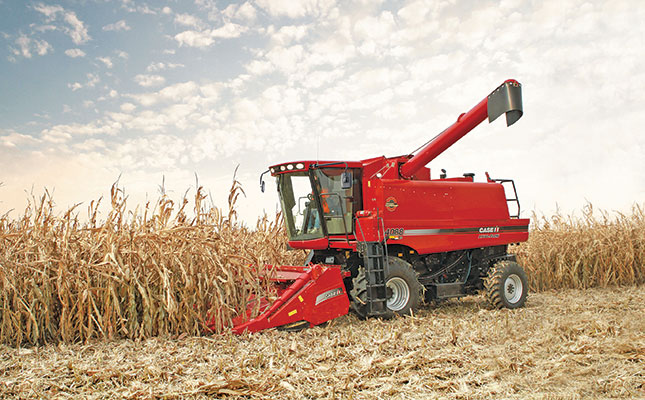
{"x": 300, "y": 203}
{"x": 338, "y": 204}
{"x": 299, "y": 206}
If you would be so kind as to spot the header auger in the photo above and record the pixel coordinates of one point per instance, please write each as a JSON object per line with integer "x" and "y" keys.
{"x": 384, "y": 236}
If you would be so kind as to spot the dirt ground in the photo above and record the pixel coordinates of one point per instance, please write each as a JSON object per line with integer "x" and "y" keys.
{"x": 563, "y": 345}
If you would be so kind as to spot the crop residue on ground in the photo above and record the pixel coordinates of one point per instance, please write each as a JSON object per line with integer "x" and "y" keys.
{"x": 575, "y": 344}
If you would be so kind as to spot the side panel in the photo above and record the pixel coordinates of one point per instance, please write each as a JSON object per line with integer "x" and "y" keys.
{"x": 436, "y": 216}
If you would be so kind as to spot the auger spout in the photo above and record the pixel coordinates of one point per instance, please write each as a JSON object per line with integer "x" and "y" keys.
{"x": 506, "y": 99}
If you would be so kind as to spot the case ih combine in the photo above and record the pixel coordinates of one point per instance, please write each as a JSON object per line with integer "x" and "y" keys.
{"x": 385, "y": 236}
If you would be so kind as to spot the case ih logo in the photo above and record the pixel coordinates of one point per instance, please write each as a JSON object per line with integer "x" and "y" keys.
{"x": 328, "y": 295}
{"x": 391, "y": 204}
{"x": 489, "y": 229}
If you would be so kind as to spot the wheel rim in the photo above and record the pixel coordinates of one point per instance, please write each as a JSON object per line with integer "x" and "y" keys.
{"x": 399, "y": 294}
{"x": 513, "y": 288}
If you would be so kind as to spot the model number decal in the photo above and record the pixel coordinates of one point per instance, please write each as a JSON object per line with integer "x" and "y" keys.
{"x": 394, "y": 232}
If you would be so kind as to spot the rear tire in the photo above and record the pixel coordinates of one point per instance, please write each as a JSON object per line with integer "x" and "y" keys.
{"x": 404, "y": 292}
{"x": 506, "y": 285}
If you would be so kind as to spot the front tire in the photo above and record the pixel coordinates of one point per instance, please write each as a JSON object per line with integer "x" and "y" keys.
{"x": 403, "y": 290}
{"x": 506, "y": 285}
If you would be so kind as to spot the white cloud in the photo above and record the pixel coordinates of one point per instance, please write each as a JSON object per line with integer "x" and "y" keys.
{"x": 207, "y": 37}
{"x": 149, "y": 80}
{"x": 158, "y": 152}
{"x": 120, "y": 25}
{"x": 65, "y": 132}
{"x": 42, "y": 47}
{"x": 92, "y": 80}
{"x": 106, "y": 60}
{"x": 142, "y": 9}
{"x": 245, "y": 12}
{"x": 286, "y": 59}
{"x": 75, "y": 86}
{"x": 55, "y": 136}
{"x": 258, "y": 67}
{"x": 188, "y": 20}
{"x": 178, "y": 92}
{"x": 166, "y": 10}
{"x": 160, "y": 66}
{"x": 194, "y": 38}
{"x": 27, "y": 45}
{"x": 375, "y": 28}
{"x": 296, "y": 9}
{"x": 76, "y": 29}
{"x": 122, "y": 54}
{"x": 415, "y": 12}
{"x": 228, "y": 31}
{"x": 74, "y": 53}
{"x": 15, "y": 139}
{"x": 44, "y": 28}
{"x": 91, "y": 145}
{"x": 128, "y": 107}
{"x": 48, "y": 11}
{"x": 286, "y": 35}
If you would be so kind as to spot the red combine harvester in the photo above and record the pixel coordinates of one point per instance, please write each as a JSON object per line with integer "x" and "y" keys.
{"x": 384, "y": 236}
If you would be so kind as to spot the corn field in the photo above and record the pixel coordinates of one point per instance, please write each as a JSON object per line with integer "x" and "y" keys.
{"x": 584, "y": 252}
{"x": 156, "y": 271}
{"x": 151, "y": 272}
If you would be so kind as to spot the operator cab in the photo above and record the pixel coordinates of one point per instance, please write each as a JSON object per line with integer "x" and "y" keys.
{"x": 319, "y": 200}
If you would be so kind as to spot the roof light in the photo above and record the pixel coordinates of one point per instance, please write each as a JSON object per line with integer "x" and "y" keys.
{"x": 282, "y": 168}
{"x": 273, "y": 170}
{"x": 290, "y": 167}
{"x": 300, "y": 166}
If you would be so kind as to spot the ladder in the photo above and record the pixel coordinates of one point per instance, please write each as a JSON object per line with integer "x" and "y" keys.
{"x": 375, "y": 263}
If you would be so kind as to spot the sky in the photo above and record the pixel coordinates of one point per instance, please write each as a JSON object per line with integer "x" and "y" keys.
{"x": 154, "y": 93}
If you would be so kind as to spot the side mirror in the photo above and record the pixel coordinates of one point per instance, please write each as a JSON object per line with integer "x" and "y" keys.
{"x": 346, "y": 180}
{"x": 262, "y": 180}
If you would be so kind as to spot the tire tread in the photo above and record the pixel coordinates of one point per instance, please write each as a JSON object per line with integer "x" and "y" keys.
{"x": 494, "y": 284}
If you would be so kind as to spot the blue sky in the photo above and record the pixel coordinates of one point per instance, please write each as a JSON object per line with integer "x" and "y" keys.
{"x": 94, "y": 90}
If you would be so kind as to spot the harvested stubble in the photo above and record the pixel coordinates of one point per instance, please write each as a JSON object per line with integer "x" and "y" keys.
{"x": 136, "y": 275}
{"x": 571, "y": 344}
{"x": 583, "y": 252}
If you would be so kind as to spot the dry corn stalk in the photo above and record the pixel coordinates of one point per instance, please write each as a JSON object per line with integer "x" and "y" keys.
{"x": 147, "y": 273}
{"x": 570, "y": 252}
{"x": 158, "y": 272}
